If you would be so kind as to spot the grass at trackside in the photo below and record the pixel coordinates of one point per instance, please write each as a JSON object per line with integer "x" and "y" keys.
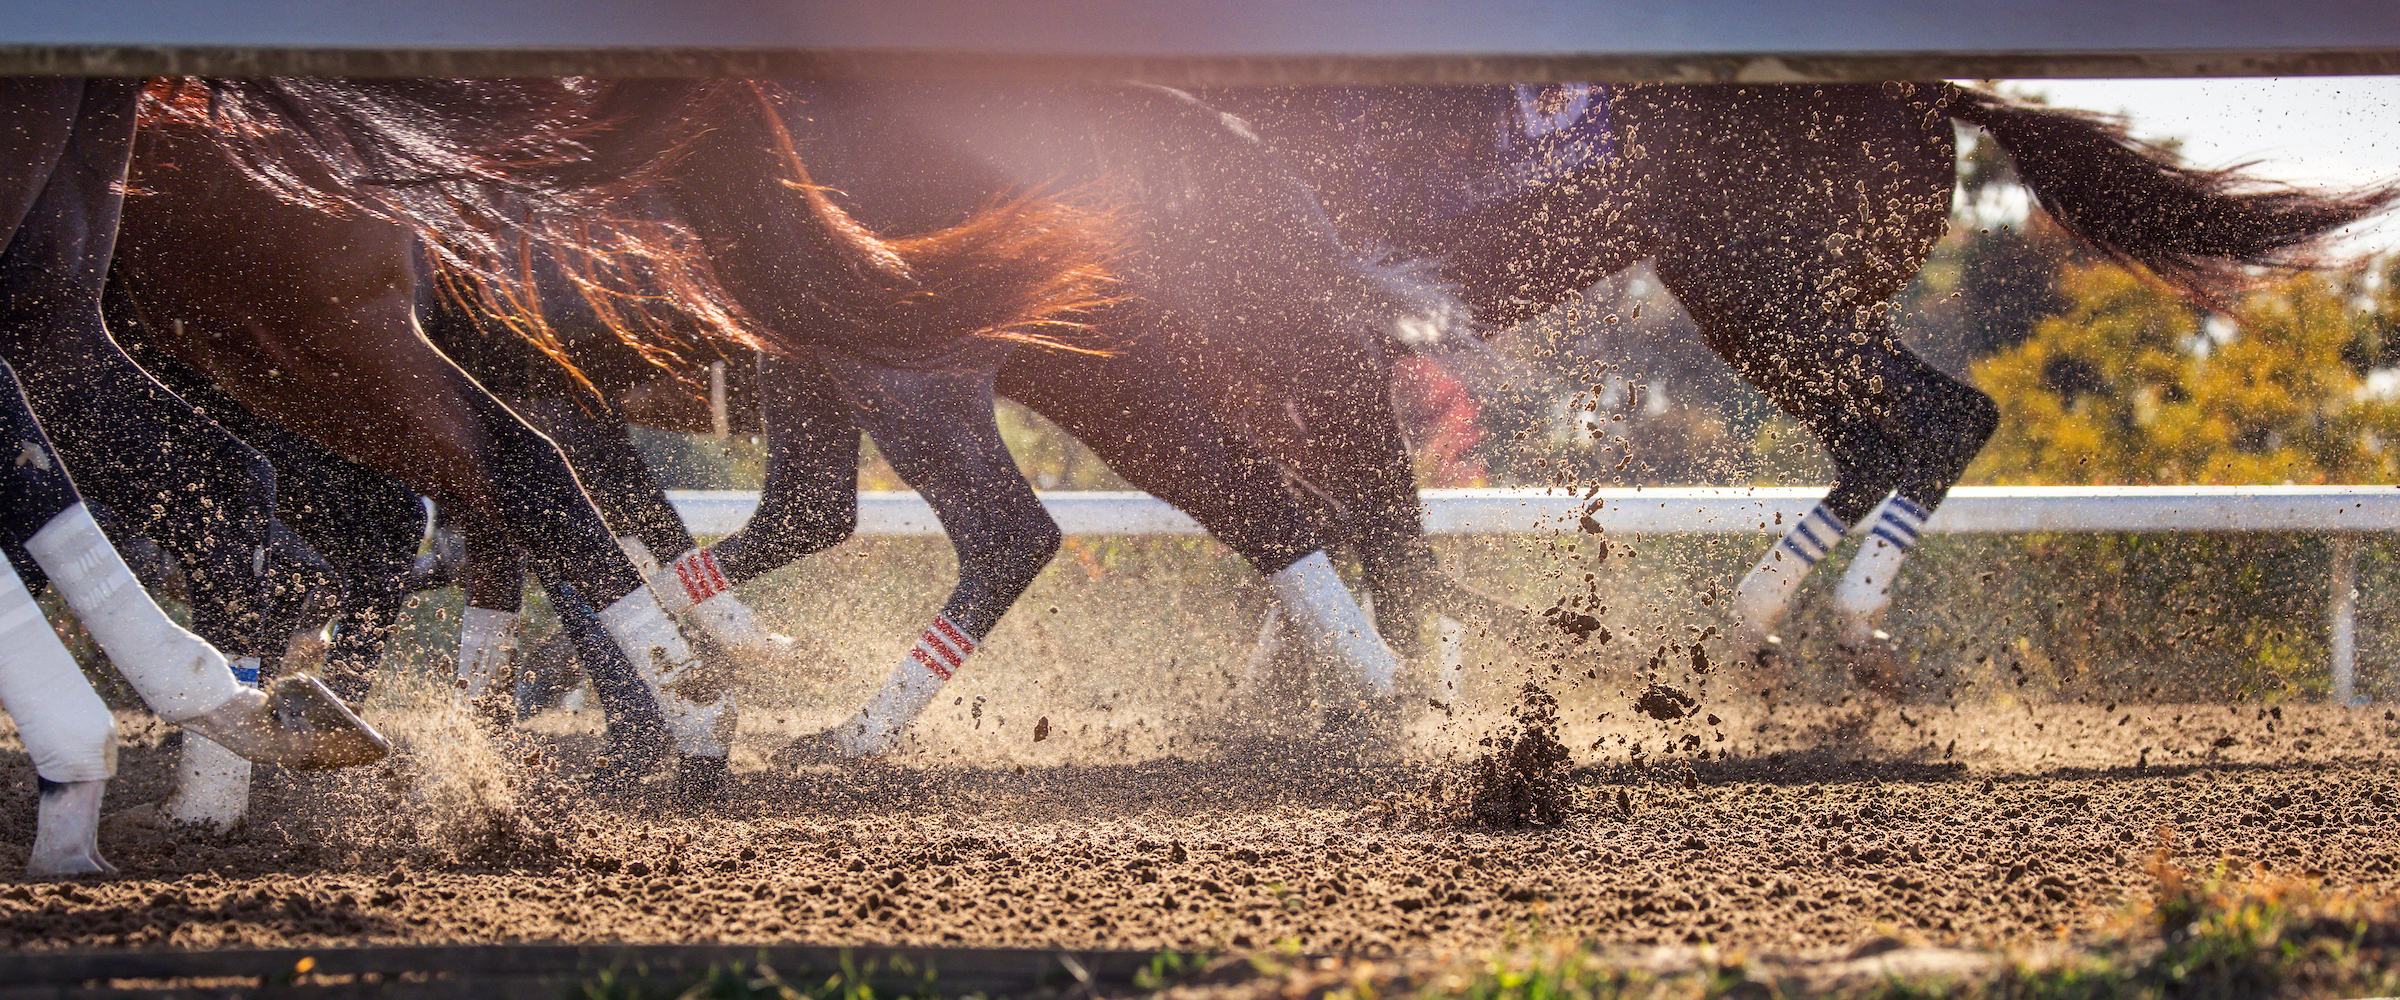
{"x": 2217, "y": 936}
{"x": 2221, "y": 935}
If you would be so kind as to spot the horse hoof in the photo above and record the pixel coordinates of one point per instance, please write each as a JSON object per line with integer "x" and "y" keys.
{"x": 1768, "y": 653}
{"x": 1364, "y": 731}
{"x": 631, "y": 753}
{"x": 699, "y": 781}
{"x": 815, "y": 750}
{"x": 66, "y": 838}
{"x": 545, "y": 675}
{"x": 300, "y": 725}
{"x": 82, "y": 865}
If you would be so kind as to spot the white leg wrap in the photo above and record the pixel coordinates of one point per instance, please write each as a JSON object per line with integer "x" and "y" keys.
{"x": 66, "y": 729}
{"x": 939, "y": 653}
{"x": 177, "y": 673}
{"x": 212, "y": 785}
{"x": 640, "y": 554}
{"x": 1268, "y": 647}
{"x": 1331, "y": 623}
{"x": 487, "y": 648}
{"x": 698, "y": 707}
{"x": 66, "y": 832}
{"x": 693, "y": 578}
{"x": 693, "y": 587}
{"x": 1866, "y": 587}
{"x": 1760, "y": 600}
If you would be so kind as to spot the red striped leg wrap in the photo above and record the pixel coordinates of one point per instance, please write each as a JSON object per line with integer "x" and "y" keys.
{"x": 942, "y": 648}
{"x": 697, "y": 571}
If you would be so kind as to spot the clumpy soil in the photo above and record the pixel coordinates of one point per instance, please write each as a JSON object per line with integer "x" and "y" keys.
{"x": 1809, "y": 830}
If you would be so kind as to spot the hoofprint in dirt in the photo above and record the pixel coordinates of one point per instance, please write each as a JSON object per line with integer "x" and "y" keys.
{"x": 1822, "y": 830}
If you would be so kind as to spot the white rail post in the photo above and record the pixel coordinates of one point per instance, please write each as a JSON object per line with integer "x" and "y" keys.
{"x": 2341, "y": 618}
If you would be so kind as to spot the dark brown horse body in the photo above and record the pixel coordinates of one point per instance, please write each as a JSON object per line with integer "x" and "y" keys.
{"x": 1785, "y": 219}
{"x": 314, "y": 190}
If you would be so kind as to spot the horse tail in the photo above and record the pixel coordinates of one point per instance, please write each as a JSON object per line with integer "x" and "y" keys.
{"x": 1033, "y": 269}
{"x": 2134, "y": 201}
{"x": 491, "y": 176}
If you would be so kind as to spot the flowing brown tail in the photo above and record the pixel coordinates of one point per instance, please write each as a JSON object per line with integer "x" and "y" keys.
{"x": 2201, "y": 231}
{"x": 1033, "y": 268}
{"x": 489, "y": 174}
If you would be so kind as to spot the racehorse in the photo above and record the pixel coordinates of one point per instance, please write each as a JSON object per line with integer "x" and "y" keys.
{"x": 1142, "y": 415}
{"x": 1784, "y": 219}
{"x": 286, "y": 323}
{"x": 63, "y": 150}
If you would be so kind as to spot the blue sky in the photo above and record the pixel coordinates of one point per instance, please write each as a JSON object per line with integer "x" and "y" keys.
{"x": 2322, "y": 130}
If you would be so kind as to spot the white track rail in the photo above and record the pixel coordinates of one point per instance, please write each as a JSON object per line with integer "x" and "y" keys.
{"x": 2341, "y": 511}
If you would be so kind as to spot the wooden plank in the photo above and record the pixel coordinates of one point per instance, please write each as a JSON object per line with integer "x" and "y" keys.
{"x": 1230, "y": 41}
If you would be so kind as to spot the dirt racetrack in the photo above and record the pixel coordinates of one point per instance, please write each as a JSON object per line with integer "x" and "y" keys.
{"x": 1802, "y": 850}
{"x": 1081, "y": 788}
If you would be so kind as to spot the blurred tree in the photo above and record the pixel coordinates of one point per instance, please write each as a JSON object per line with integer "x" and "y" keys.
{"x": 2131, "y": 385}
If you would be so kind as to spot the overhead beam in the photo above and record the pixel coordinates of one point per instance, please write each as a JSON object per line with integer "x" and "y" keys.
{"x": 1226, "y": 42}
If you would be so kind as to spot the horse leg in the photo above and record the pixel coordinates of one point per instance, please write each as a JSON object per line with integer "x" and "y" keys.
{"x": 1945, "y": 422}
{"x": 691, "y": 585}
{"x": 65, "y": 727}
{"x": 938, "y": 430}
{"x": 809, "y": 502}
{"x": 412, "y": 415}
{"x": 367, "y": 527}
{"x": 1894, "y": 427}
{"x": 1184, "y": 455}
{"x": 54, "y": 266}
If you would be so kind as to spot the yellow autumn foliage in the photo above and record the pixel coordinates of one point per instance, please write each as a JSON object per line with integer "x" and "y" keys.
{"x": 2133, "y": 386}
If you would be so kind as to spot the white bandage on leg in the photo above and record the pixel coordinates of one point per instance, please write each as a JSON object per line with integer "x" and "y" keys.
{"x": 1866, "y": 587}
{"x": 487, "y": 648}
{"x": 66, "y": 832}
{"x": 1760, "y": 600}
{"x": 212, "y": 785}
{"x": 939, "y": 653}
{"x": 692, "y": 579}
{"x": 179, "y": 674}
{"x": 696, "y": 701}
{"x": 1331, "y": 623}
{"x": 65, "y": 727}
{"x": 693, "y": 586}
{"x": 639, "y": 552}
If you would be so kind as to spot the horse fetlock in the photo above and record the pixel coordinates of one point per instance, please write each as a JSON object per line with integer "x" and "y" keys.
{"x": 691, "y": 692}
{"x": 66, "y": 834}
{"x": 1866, "y": 586}
{"x": 1765, "y": 593}
{"x": 1330, "y": 621}
{"x": 939, "y": 653}
{"x": 212, "y": 788}
{"x": 66, "y": 728}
